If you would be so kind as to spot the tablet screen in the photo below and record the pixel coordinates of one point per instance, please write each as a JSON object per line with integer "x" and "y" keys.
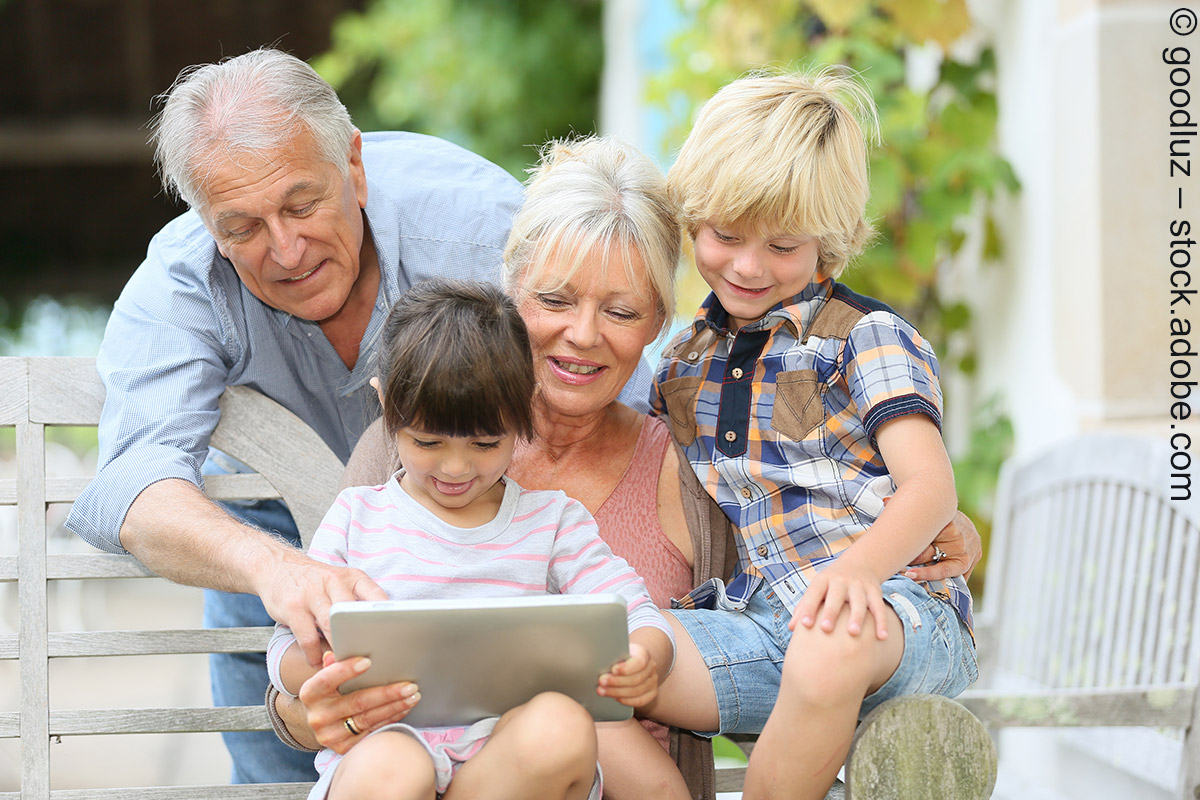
{"x": 479, "y": 657}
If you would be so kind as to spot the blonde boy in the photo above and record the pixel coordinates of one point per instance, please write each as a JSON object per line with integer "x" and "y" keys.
{"x": 803, "y": 407}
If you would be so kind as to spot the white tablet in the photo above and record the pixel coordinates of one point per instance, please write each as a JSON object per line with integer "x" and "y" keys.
{"x": 481, "y": 657}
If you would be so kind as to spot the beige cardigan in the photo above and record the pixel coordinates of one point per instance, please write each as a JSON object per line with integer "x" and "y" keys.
{"x": 374, "y": 460}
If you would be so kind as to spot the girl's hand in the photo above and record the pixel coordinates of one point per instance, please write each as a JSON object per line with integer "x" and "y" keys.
{"x": 841, "y": 584}
{"x": 632, "y": 682}
{"x": 369, "y": 709}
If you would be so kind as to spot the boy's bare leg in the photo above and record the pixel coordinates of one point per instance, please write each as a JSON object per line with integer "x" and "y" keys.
{"x": 635, "y": 765}
{"x": 545, "y": 748}
{"x": 825, "y": 678}
{"x": 389, "y": 766}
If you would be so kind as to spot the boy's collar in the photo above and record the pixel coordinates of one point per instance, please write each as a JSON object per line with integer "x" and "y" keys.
{"x": 795, "y": 313}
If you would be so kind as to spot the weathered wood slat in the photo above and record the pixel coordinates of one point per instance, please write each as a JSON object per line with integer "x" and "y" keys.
{"x": 9, "y": 647}
{"x": 249, "y": 486}
{"x": 275, "y": 443}
{"x": 64, "y": 391}
{"x": 259, "y": 791}
{"x": 75, "y": 566}
{"x": 10, "y": 724}
{"x": 14, "y": 399}
{"x": 158, "y": 720}
{"x": 174, "y": 642}
{"x": 1166, "y": 706}
{"x": 31, "y": 597}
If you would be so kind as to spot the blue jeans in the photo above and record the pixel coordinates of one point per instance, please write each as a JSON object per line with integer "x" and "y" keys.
{"x": 240, "y": 679}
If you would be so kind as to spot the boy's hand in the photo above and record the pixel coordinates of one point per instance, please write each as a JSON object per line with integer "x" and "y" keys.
{"x": 839, "y": 584}
{"x": 632, "y": 682}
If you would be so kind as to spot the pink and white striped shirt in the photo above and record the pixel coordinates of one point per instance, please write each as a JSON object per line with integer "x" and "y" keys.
{"x": 540, "y": 542}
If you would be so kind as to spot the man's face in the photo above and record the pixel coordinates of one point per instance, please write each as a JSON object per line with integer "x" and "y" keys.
{"x": 291, "y": 225}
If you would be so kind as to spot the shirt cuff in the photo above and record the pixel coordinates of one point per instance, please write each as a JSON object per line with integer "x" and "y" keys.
{"x": 277, "y": 724}
{"x": 100, "y": 510}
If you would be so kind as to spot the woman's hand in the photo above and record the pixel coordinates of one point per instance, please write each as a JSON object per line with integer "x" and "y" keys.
{"x": 961, "y": 550}
{"x": 367, "y": 709}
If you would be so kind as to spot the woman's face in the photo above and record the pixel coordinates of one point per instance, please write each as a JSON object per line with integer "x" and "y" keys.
{"x": 588, "y": 334}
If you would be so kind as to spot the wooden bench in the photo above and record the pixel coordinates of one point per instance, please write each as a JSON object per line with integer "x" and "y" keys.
{"x": 1090, "y": 610}
{"x": 950, "y": 754}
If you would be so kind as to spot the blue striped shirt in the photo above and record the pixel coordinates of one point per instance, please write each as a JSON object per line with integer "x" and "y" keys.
{"x": 185, "y": 327}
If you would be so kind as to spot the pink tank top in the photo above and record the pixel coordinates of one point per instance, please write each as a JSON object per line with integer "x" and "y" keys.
{"x": 628, "y": 521}
{"x": 629, "y": 524}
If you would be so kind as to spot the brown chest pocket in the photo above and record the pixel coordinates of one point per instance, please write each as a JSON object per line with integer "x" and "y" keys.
{"x": 798, "y": 407}
{"x": 679, "y": 394}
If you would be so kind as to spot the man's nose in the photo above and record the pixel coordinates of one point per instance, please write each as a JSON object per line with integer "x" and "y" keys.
{"x": 287, "y": 244}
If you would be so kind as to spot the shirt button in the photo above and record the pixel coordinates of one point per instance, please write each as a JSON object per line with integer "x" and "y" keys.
{"x": 693, "y": 356}
{"x": 746, "y": 493}
{"x": 762, "y": 550}
{"x": 737, "y": 373}
{"x": 730, "y": 436}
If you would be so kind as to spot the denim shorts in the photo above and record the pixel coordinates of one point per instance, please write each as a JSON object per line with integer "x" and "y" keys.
{"x": 744, "y": 652}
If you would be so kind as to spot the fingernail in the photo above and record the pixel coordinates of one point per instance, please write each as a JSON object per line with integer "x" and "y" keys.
{"x": 362, "y": 665}
{"x": 409, "y": 690}
{"x": 412, "y": 701}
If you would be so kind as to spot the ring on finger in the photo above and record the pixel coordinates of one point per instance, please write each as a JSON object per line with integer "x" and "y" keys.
{"x": 938, "y": 554}
{"x": 350, "y": 726}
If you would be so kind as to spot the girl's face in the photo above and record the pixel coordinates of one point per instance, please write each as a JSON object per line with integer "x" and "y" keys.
{"x": 455, "y": 477}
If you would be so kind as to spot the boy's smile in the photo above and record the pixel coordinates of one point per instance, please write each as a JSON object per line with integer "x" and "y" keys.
{"x": 749, "y": 272}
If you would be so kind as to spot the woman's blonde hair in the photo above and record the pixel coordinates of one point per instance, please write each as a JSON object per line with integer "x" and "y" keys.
{"x": 594, "y": 192}
{"x": 782, "y": 153}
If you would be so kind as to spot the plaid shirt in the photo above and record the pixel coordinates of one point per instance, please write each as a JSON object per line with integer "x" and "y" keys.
{"x": 778, "y": 421}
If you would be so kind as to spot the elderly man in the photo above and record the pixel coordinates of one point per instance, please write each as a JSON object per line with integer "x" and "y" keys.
{"x": 301, "y": 233}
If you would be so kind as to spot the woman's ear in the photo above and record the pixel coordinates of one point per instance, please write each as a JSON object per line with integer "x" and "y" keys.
{"x": 377, "y": 387}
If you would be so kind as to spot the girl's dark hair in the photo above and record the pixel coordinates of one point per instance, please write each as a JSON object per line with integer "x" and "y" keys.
{"x": 455, "y": 361}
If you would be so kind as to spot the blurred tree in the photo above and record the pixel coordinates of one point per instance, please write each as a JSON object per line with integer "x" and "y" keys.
{"x": 496, "y": 76}
{"x": 933, "y": 177}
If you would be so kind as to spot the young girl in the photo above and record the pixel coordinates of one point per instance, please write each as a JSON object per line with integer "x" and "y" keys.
{"x": 456, "y": 384}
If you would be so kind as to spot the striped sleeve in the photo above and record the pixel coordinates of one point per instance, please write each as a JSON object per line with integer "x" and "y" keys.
{"x": 581, "y": 563}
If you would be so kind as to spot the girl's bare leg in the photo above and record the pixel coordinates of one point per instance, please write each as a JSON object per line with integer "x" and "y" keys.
{"x": 635, "y": 765}
{"x": 545, "y": 748}
{"x": 388, "y": 765}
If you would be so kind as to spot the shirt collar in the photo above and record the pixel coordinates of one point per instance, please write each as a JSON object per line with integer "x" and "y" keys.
{"x": 796, "y": 313}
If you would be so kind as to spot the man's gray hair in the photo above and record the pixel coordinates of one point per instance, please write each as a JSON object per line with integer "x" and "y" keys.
{"x": 253, "y": 103}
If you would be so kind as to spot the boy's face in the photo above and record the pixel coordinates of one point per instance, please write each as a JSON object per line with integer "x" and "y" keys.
{"x": 750, "y": 272}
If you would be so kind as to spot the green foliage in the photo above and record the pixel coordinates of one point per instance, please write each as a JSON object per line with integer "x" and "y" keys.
{"x": 937, "y": 167}
{"x": 496, "y": 76}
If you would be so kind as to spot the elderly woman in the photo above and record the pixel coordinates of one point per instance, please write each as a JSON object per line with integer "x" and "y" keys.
{"x": 591, "y": 262}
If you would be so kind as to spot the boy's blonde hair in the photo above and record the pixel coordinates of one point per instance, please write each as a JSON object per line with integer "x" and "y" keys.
{"x": 784, "y": 153}
{"x": 594, "y": 192}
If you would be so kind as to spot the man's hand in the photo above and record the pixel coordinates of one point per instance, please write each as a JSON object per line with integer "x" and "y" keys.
{"x": 298, "y": 592}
